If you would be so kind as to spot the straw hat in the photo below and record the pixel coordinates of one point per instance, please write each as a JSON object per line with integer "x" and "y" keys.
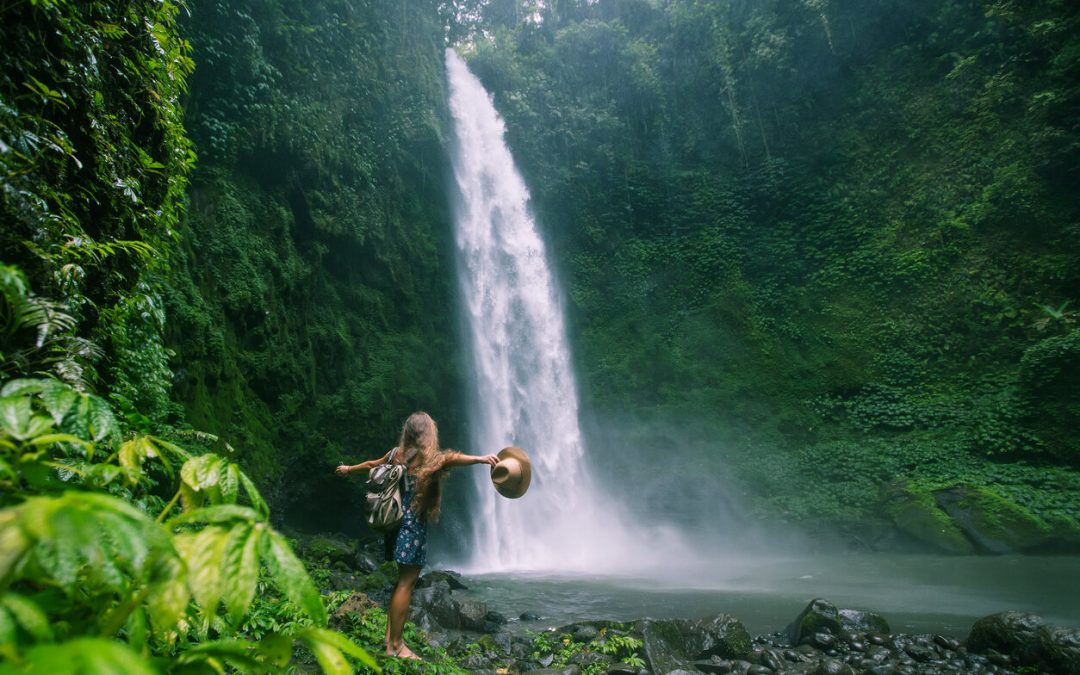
{"x": 512, "y": 474}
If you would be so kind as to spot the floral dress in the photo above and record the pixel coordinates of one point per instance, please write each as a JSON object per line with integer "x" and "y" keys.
{"x": 408, "y": 544}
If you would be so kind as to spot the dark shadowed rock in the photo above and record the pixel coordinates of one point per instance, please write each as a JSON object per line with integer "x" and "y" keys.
{"x": 452, "y": 579}
{"x": 820, "y": 616}
{"x": 832, "y": 667}
{"x": 1008, "y": 632}
{"x": 674, "y": 644}
{"x": 1058, "y": 649}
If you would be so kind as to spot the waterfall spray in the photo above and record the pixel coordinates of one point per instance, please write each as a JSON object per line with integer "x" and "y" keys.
{"x": 525, "y": 394}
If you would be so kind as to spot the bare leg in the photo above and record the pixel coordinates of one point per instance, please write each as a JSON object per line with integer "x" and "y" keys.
{"x": 399, "y": 607}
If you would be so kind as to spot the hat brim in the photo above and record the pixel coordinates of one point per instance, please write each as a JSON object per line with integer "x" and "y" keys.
{"x": 515, "y": 491}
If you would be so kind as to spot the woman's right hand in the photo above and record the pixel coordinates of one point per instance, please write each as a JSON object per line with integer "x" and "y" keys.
{"x": 342, "y": 469}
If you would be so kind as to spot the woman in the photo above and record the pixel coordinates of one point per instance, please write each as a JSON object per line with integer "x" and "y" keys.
{"x": 426, "y": 466}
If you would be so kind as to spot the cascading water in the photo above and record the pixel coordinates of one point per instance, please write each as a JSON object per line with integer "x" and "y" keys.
{"x": 525, "y": 391}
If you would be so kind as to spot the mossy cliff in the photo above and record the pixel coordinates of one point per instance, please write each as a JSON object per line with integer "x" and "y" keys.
{"x": 313, "y": 301}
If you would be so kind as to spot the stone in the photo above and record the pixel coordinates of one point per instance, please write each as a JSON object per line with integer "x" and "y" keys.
{"x": 819, "y": 616}
{"x": 529, "y": 616}
{"x": 823, "y": 641}
{"x": 357, "y": 602}
{"x": 622, "y": 669}
{"x": 1009, "y": 632}
{"x": 915, "y": 513}
{"x": 1058, "y": 649}
{"x": 994, "y": 523}
{"x": 584, "y": 633}
{"x": 863, "y": 621}
{"x": 672, "y": 644}
{"x": 832, "y": 667}
{"x": 451, "y": 578}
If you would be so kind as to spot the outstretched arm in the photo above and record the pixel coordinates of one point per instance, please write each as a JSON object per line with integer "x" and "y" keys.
{"x": 461, "y": 459}
{"x": 362, "y": 466}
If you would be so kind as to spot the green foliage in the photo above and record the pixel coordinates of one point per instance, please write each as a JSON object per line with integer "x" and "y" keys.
{"x": 79, "y": 562}
{"x": 313, "y": 301}
{"x": 562, "y": 648}
{"x": 804, "y": 241}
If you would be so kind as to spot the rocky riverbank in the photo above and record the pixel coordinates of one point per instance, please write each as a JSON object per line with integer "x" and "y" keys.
{"x": 822, "y": 640}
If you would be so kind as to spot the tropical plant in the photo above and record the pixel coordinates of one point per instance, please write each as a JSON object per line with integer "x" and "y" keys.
{"x": 86, "y": 559}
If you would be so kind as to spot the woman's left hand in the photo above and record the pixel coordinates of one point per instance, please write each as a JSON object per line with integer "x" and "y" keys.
{"x": 342, "y": 469}
{"x": 490, "y": 460}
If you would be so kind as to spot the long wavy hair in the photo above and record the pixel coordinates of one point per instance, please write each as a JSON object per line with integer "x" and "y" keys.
{"x": 426, "y": 460}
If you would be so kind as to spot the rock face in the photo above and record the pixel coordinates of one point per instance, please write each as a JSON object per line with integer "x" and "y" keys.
{"x": 675, "y": 644}
{"x": 995, "y": 524}
{"x": 1029, "y": 640}
{"x": 917, "y": 515}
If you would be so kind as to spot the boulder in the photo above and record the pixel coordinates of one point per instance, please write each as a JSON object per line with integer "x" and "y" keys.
{"x": 1008, "y": 632}
{"x": 915, "y": 513}
{"x": 436, "y": 604}
{"x": 674, "y": 644}
{"x": 820, "y": 616}
{"x": 1058, "y": 650}
{"x": 864, "y": 622}
{"x": 994, "y": 523}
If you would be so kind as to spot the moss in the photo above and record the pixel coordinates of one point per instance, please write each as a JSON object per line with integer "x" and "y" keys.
{"x": 994, "y": 522}
{"x": 915, "y": 512}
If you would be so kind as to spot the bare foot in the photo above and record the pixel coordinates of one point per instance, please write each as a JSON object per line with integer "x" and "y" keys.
{"x": 403, "y": 652}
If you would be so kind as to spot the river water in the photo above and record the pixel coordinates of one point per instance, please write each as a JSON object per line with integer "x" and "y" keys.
{"x": 915, "y": 593}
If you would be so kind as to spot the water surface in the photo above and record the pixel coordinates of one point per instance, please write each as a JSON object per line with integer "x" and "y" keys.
{"x": 915, "y": 593}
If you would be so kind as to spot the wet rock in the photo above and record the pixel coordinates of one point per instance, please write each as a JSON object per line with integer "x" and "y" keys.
{"x": 585, "y": 659}
{"x": 1058, "y": 649}
{"x": 673, "y": 644}
{"x": 529, "y": 616}
{"x": 450, "y": 578}
{"x": 946, "y": 643}
{"x": 822, "y": 641}
{"x": 759, "y": 670}
{"x": 770, "y": 658}
{"x": 583, "y": 633}
{"x": 622, "y": 669}
{"x": 1010, "y": 632}
{"x": 863, "y": 621}
{"x": 714, "y": 665}
{"x": 820, "y": 616}
{"x": 832, "y": 667}
{"x": 920, "y": 653}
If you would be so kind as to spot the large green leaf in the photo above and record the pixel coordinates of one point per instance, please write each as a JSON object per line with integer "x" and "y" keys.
{"x": 82, "y": 656}
{"x": 242, "y": 561}
{"x": 293, "y": 580}
{"x": 204, "y": 553}
{"x": 28, "y": 615}
{"x": 85, "y": 541}
{"x": 330, "y": 648}
{"x": 202, "y": 472}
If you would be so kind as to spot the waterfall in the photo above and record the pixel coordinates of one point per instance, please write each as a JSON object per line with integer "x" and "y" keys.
{"x": 525, "y": 393}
